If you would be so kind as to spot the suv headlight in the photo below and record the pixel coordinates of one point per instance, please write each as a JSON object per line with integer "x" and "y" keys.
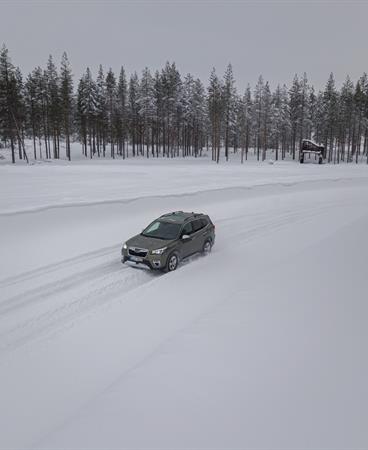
{"x": 125, "y": 246}
{"x": 159, "y": 251}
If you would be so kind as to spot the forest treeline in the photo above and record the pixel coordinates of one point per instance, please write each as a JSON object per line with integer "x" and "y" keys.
{"x": 164, "y": 114}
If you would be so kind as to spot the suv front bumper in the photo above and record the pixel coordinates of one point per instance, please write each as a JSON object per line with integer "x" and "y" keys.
{"x": 154, "y": 262}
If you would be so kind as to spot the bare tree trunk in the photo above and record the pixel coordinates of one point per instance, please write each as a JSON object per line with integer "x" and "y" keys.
{"x": 20, "y": 141}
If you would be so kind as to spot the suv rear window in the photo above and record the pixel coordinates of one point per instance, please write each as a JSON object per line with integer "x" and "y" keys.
{"x": 204, "y": 222}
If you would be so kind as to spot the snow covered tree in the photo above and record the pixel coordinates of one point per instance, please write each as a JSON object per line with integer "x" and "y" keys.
{"x": 7, "y": 83}
{"x": 187, "y": 129}
{"x": 171, "y": 97}
{"x": 134, "y": 110}
{"x": 244, "y": 120}
{"x": 304, "y": 108}
{"x": 258, "y": 113}
{"x": 330, "y": 99}
{"x": 122, "y": 105}
{"x": 66, "y": 101}
{"x": 346, "y": 105}
{"x": 276, "y": 120}
{"x": 33, "y": 110}
{"x": 165, "y": 115}
{"x": 229, "y": 98}
{"x": 266, "y": 119}
{"x": 215, "y": 110}
{"x": 101, "y": 113}
{"x": 111, "y": 102}
{"x": 53, "y": 105}
{"x": 198, "y": 114}
{"x": 295, "y": 107}
{"x": 147, "y": 108}
{"x": 86, "y": 103}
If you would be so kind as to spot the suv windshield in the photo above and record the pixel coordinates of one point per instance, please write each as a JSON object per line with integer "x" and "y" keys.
{"x": 162, "y": 230}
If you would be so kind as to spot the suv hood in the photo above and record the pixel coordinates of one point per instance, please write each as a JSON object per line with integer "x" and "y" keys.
{"x": 148, "y": 242}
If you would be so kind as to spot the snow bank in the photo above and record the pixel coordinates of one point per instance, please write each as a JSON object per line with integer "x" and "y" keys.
{"x": 41, "y": 186}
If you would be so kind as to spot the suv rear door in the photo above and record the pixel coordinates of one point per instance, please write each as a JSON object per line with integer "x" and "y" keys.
{"x": 199, "y": 234}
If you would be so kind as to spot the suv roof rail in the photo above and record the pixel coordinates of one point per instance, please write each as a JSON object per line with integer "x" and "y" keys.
{"x": 193, "y": 214}
{"x": 190, "y": 216}
{"x": 172, "y": 213}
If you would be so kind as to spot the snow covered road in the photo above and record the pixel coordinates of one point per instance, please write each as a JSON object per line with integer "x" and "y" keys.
{"x": 260, "y": 345}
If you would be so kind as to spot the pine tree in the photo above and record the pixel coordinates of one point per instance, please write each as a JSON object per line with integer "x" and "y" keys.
{"x": 311, "y": 115}
{"x": 87, "y": 100}
{"x": 54, "y": 105}
{"x": 159, "y": 102}
{"x": 215, "y": 109}
{"x": 123, "y": 110}
{"x": 364, "y": 86}
{"x": 266, "y": 118}
{"x": 101, "y": 112}
{"x": 346, "y": 114}
{"x": 276, "y": 120}
{"x": 229, "y": 95}
{"x": 258, "y": 113}
{"x": 6, "y": 100}
{"x": 111, "y": 101}
{"x": 330, "y": 115}
{"x": 171, "y": 97}
{"x": 188, "y": 119}
{"x": 33, "y": 110}
{"x": 295, "y": 106}
{"x": 18, "y": 111}
{"x": 304, "y": 107}
{"x": 197, "y": 110}
{"x": 66, "y": 101}
{"x": 146, "y": 107}
{"x": 134, "y": 110}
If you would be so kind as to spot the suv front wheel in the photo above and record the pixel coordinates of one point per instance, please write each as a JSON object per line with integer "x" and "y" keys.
{"x": 172, "y": 262}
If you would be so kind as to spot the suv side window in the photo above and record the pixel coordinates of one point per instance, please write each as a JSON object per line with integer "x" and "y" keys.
{"x": 187, "y": 229}
{"x": 198, "y": 225}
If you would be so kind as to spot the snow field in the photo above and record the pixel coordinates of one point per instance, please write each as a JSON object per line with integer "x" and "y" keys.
{"x": 259, "y": 345}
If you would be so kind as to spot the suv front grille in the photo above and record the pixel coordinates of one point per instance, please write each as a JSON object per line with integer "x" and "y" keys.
{"x": 135, "y": 251}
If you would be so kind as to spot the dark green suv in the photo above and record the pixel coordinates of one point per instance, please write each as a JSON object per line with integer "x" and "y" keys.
{"x": 169, "y": 239}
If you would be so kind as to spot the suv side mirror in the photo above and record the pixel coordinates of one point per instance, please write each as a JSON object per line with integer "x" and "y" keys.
{"x": 185, "y": 237}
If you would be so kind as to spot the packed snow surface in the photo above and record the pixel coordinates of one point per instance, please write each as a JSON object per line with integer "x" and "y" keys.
{"x": 261, "y": 344}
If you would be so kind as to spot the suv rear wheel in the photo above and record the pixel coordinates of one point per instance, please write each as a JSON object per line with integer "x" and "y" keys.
{"x": 207, "y": 246}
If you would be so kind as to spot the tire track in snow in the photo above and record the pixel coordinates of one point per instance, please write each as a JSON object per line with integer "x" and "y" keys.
{"x": 41, "y": 271}
{"x": 108, "y": 286}
{"x": 51, "y": 288}
{"x": 263, "y": 225}
{"x": 74, "y": 295}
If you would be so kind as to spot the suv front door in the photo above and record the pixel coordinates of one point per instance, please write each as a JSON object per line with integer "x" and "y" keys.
{"x": 187, "y": 244}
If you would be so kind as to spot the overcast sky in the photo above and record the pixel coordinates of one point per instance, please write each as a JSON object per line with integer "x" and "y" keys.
{"x": 273, "y": 38}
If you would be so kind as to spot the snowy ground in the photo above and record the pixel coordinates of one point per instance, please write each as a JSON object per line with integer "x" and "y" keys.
{"x": 262, "y": 344}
